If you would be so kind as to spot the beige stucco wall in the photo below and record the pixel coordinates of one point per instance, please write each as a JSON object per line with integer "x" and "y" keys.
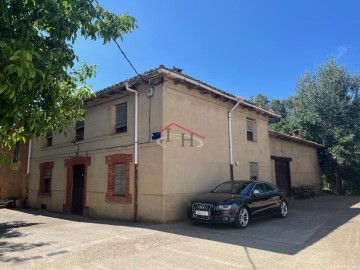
{"x": 191, "y": 170}
{"x": 304, "y": 167}
{"x": 101, "y": 140}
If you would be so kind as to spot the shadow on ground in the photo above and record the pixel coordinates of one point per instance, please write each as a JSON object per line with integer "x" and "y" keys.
{"x": 308, "y": 221}
{"x": 10, "y": 230}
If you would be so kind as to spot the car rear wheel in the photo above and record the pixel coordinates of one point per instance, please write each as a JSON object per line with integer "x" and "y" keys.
{"x": 242, "y": 218}
{"x": 283, "y": 209}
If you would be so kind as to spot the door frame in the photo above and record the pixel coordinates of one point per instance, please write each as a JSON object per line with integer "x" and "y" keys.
{"x": 81, "y": 169}
{"x": 287, "y": 160}
{"x": 69, "y": 164}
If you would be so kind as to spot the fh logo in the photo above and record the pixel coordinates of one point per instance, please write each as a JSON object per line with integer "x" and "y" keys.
{"x": 185, "y": 138}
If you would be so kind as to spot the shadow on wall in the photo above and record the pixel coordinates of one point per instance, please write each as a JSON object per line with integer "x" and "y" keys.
{"x": 9, "y": 230}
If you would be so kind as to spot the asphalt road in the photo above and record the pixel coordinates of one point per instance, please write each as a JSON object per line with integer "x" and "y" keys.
{"x": 319, "y": 233}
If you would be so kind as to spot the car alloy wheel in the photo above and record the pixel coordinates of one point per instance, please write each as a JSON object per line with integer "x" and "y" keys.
{"x": 283, "y": 209}
{"x": 242, "y": 218}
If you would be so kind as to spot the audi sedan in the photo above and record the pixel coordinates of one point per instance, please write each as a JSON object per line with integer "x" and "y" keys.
{"x": 237, "y": 202}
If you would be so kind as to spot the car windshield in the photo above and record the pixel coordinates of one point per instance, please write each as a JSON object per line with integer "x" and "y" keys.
{"x": 231, "y": 187}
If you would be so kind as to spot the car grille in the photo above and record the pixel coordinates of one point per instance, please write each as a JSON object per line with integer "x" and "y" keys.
{"x": 202, "y": 211}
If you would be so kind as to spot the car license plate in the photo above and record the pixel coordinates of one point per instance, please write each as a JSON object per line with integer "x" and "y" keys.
{"x": 202, "y": 213}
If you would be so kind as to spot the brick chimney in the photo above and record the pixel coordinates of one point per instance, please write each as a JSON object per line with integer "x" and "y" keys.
{"x": 299, "y": 133}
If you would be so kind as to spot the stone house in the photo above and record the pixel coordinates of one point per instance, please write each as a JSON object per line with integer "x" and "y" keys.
{"x": 147, "y": 146}
{"x": 13, "y": 179}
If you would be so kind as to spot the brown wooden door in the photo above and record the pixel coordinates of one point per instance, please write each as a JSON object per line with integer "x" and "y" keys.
{"x": 77, "y": 202}
{"x": 282, "y": 171}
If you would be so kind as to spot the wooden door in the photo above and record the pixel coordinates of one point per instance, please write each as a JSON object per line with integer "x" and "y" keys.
{"x": 283, "y": 179}
{"x": 77, "y": 202}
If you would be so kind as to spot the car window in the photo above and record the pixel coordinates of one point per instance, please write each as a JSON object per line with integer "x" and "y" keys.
{"x": 270, "y": 187}
{"x": 261, "y": 188}
{"x": 230, "y": 187}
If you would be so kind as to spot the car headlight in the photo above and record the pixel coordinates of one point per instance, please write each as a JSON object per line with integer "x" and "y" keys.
{"x": 223, "y": 207}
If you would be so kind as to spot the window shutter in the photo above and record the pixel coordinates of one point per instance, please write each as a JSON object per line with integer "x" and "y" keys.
{"x": 250, "y": 125}
{"x": 121, "y": 115}
{"x": 253, "y": 170}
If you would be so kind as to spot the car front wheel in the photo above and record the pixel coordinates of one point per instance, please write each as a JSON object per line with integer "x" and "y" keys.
{"x": 283, "y": 209}
{"x": 242, "y": 218}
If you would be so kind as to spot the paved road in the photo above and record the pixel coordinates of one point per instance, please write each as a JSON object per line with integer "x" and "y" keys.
{"x": 319, "y": 233}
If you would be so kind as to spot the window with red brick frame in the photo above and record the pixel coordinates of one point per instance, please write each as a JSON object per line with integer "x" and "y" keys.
{"x": 118, "y": 188}
{"x": 45, "y": 178}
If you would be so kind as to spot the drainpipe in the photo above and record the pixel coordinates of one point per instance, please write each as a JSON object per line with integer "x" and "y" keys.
{"x": 136, "y": 148}
{"x": 28, "y": 173}
{"x": 230, "y": 141}
{"x": 29, "y": 156}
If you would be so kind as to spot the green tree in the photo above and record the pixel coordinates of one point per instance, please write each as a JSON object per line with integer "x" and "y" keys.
{"x": 40, "y": 90}
{"x": 327, "y": 107}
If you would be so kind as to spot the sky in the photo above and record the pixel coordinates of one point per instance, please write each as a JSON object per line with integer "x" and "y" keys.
{"x": 241, "y": 47}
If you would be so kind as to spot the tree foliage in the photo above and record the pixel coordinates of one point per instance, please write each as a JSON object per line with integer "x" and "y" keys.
{"x": 327, "y": 107}
{"x": 40, "y": 90}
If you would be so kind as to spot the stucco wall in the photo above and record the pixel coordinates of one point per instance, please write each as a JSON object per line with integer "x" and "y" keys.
{"x": 13, "y": 179}
{"x": 192, "y": 170}
{"x": 304, "y": 167}
{"x": 101, "y": 140}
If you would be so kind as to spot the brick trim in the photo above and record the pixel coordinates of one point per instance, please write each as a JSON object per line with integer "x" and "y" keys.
{"x": 43, "y": 166}
{"x": 111, "y": 161}
{"x": 69, "y": 163}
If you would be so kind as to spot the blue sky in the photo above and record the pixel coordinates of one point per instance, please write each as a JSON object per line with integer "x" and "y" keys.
{"x": 242, "y": 47}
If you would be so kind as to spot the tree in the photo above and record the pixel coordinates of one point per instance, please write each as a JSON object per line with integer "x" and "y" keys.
{"x": 327, "y": 107}
{"x": 40, "y": 91}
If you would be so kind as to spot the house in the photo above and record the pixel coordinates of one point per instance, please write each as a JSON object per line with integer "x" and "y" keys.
{"x": 13, "y": 178}
{"x": 147, "y": 146}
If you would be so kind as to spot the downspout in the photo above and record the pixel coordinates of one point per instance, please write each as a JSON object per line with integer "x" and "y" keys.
{"x": 230, "y": 141}
{"x": 29, "y": 156}
{"x": 136, "y": 148}
{"x": 28, "y": 173}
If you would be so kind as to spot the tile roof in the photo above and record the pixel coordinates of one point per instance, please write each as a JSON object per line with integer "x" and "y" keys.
{"x": 120, "y": 87}
{"x": 294, "y": 139}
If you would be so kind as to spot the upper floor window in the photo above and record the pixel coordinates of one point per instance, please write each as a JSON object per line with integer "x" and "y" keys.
{"x": 254, "y": 171}
{"x": 121, "y": 118}
{"x": 250, "y": 129}
{"x": 79, "y": 130}
{"x": 49, "y": 139}
{"x": 16, "y": 153}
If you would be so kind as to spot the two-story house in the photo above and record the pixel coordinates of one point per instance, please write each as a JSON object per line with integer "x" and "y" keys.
{"x": 147, "y": 146}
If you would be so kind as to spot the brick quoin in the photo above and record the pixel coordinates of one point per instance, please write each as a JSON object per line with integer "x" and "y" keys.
{"x": 111, "y": 161}
{"x": 69, "y": 163}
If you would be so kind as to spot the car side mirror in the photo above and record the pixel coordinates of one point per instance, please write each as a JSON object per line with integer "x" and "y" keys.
{"x": 256, "y": 192}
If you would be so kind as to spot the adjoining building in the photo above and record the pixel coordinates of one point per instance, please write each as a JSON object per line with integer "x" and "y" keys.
{"x": 147, "y": 146}
{"x": 13, "y": 176}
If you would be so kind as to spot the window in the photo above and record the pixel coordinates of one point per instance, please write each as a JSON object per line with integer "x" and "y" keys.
{"x": 79, "y": 130}
{"x": 16, "y": 152}
{"x": 121, "y": 118}
{"x": 254, "y": 173}
{"x": 119, "y": 183}
{"x": 119, "y": 178}
{"x": 45, "y": 178}
{"x": 49, "y": 138}
{"x": 261, "y": 187}
{"x": 250, "y": 129}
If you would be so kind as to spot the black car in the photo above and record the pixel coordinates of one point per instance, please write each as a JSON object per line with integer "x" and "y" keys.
{"x": 237, "y": 202}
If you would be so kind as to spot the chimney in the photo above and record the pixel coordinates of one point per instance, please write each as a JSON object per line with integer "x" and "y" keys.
{"x": 299, "y": 133}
